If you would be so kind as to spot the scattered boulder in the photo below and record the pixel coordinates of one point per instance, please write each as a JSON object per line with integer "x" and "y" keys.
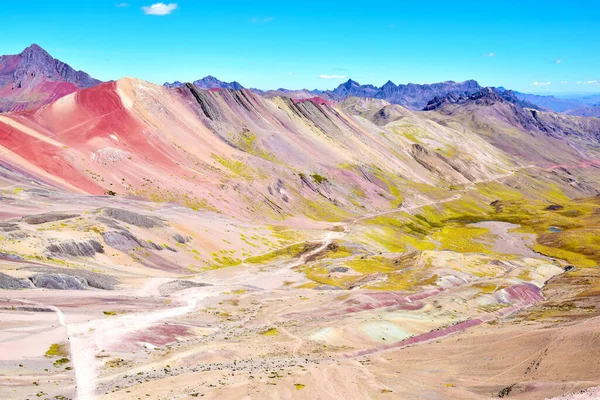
{"x": 174, "y": 286}
{"x": 44, "y": 218}
{"x": 130, "y": 217}
{"x": 339, "y": 269}
{"x": 152, "y": 246}
{"x": 505, "y": 392}
{"x": 76, "y": 249}
{"x": 9, "y": 283}
{"x": 181, "y": 239}
{"x": 59, "y": 282}
{"x": 554, "y": 207}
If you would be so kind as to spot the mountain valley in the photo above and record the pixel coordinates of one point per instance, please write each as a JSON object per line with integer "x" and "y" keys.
{"x": 207, "y": 240}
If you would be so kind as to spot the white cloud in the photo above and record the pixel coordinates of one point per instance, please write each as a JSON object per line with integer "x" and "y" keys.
{"x": 290, "y": 73}
{"x": 564, "y": 82}
{"x": 121, "y": 5}
{"x": 490, "y": 55}
{"x": 557, "y": 61}
{"x": 541, "y": 83}
{"x": 160, "y": 9}
{"x": 265, "y": 19}
{"x": 588, "y": 82}
{"x": 332, "y": 76}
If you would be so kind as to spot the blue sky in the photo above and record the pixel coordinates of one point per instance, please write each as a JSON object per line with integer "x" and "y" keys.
{"x": 527, "y": 45}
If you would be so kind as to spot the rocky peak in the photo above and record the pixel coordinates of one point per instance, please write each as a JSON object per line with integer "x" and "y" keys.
{"x": 35, "y": 51}
{"x": 350, "y": 83}
{"x": 36, "y": 64}
{"x": 487, "y": 96}
{"x": 208, "y": 82}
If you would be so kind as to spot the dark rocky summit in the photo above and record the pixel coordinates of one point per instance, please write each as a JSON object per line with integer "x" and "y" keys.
{"x": 412, "y": 96}
{"x": 36, "y": 61}
{"x": 33, "y": 78}
{"x": 484, "y": 97}
{"x": 208, "y": 82}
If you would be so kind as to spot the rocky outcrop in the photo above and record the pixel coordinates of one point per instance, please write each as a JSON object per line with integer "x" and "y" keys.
{"x": 123, "y": 241}
{"x": 9, "y": 283}
{"x": 130, "y": 217}
{"x": 181, "y": 239}
{"x": 59, "y": 282}
{"x": 44, "y": 218}
{"x": 92, "y": 279}
{"x": 8, "y": 227}
{"x": 87, "y": 248}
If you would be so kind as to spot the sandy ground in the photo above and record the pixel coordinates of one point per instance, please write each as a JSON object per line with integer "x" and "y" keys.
{"x": 477, "y": 331}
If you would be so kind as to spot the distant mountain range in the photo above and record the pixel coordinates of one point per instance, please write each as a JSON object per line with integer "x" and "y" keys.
{"x": 551, "y": 102}
{"x": 412, "y": 96}
{"x": 33, "y": 77}
{"x": 415, "y": 96}
{"x": 591, "y": 111}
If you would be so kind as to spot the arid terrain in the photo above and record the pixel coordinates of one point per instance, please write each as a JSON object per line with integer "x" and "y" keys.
{"x": 181, "y": 242}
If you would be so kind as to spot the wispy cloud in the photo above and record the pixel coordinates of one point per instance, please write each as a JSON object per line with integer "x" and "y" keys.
{"x": 541, "y": 83}
{"x": 122, "y": 5}
{"x": 564, "y": 82}
{"x": 160, "y": 9}
{"x": 589, "y": 82}
{"x": 490, "y": 55}
{"x": 259, "y": 20}
{"x": 290, "y": 73}
{"x": 322, "y": 76}
{"x": 558, "y": 61}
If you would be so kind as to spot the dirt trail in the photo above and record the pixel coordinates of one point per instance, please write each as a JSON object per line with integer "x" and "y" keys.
{"x": 89, "y": 338}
